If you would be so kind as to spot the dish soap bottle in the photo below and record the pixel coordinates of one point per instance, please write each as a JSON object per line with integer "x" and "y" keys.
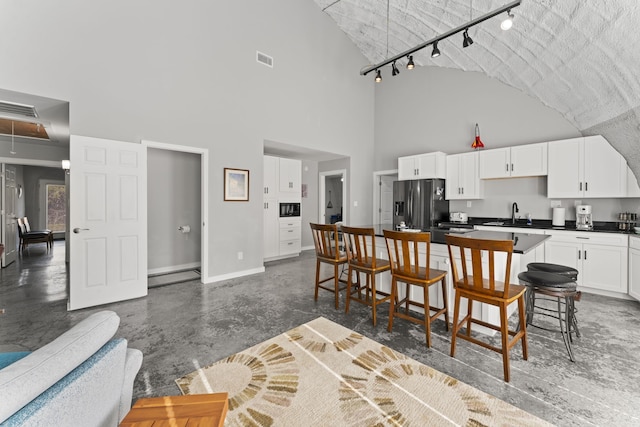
{"x": 529, "y": 219}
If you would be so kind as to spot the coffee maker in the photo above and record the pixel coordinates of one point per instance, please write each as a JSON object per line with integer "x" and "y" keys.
{"x": 584, "y": 220}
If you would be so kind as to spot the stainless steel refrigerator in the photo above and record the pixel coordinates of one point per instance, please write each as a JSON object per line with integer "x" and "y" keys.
{"x": 419, "y": 203}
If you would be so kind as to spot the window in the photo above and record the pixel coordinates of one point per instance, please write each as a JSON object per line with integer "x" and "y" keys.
{"x": 56, "y": 209}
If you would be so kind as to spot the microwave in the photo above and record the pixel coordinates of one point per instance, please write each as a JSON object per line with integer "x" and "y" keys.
{"x": 289, "y": 209}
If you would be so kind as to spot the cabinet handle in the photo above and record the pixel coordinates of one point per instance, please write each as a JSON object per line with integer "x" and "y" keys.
{"x": 580, "y": 186}
{"x": 462, "y": 190}
{"x": 579, "y": 253}
{"x": 507, "y": 165}
{"x": 586, "y": 186}
{"x": 511, "y": 167}
{"x": 583, "y": 238}
{"x": 585, "y": 255}
{"x": 458, "y": 190}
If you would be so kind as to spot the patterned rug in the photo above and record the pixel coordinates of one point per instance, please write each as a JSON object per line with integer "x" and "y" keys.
{"x": 322, "y": 374}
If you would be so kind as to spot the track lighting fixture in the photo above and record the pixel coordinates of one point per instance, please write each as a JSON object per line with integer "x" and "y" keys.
{"x": 394, "y": 70}
{"x": 435, "y": 52}
{"x": 508, "y": 22}
{"x": 468, "y": 41}
{"x": 410, "y": 64}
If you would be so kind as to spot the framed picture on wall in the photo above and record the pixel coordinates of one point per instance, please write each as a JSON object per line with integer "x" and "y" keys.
{"x": 236, "y": 185}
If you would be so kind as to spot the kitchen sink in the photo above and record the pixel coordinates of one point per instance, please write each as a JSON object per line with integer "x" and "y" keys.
{"x": 493, "y": 223}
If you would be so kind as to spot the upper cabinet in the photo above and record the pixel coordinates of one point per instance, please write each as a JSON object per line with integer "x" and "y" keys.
{"x": 270, "y": 177}
{"x": 290, "y": 176}
{"x": 430, "y": 165}
{"x": 586, "y": 167}
{"x": 510, "y": 162}
{"x": 463, "y": 182}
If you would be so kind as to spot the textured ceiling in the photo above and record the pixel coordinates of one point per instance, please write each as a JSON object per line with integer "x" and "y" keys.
{"x": 579, "y": 57}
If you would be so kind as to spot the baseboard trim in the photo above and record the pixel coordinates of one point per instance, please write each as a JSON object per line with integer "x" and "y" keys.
{"x": 173, "y": 268}
{"x": 234, "y": 275}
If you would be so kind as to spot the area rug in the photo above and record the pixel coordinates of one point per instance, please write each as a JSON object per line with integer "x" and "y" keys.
{"x": 323, "y": 374}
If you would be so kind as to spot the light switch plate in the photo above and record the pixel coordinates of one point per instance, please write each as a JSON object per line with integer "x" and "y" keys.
{"x": 469, "y": 203}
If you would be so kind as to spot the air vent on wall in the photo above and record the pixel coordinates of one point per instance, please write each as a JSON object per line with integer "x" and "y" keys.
{"x": 264, "y": 59}
{"x": 17, "y": 109}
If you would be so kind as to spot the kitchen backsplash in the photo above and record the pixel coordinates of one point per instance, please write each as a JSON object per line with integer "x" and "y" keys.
{"x": 531, "y": 196}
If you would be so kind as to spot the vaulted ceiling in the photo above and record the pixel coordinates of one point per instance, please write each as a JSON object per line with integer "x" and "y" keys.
{"x": 579, "y": 57}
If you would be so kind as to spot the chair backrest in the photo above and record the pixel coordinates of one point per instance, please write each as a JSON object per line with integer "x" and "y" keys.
{"x": 326, "y": 241}
{"x": 409, "y": 253}
{"x": 474, "y": 277}
{"x": 27, "y": 227}
{"x": 360, "y": 244}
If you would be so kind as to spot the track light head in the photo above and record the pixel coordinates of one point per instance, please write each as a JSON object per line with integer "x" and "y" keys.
{"x": 468, "y": 41}
{"x": 435, "y": 52}
{"x": 394, "y": 70}
{"x": 378, "y": 76}
{"x": 410, "y": 64}
{"x": 508, "y": 22}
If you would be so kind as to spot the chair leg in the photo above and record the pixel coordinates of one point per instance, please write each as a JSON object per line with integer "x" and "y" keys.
{"x": 349, "y": 285}
{"x": 565, "y": 326}
{"x": 468, "y": 318}
{"x": 392, "y": 302}
{"x": 445, "y": 303}
{"x": 317, "y": 278}
{"x": 456, "y": 326}
{"x": 522, "y": 313}
{"x": 504, "y": 331}
{"x": 336, "y": 282}
{"x": 374, "y": 300}
{"x": 427, "y": 315}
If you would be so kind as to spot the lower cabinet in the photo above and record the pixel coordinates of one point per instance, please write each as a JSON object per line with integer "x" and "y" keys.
{"x": 290, "y": 236}
{"x": 634, "y": 267}
{"x": 600, "y": 258}
{"x": 282, "y": 236}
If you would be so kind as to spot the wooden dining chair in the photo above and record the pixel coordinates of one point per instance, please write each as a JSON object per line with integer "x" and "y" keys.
{"x": 477, "y": 282}
{"x": 360, "y": 244}
{"x": 409, "y": 256}
{"x": 326, "y": 239}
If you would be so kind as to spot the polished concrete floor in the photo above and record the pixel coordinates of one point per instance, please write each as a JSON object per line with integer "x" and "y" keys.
{"x": 184, "y": 326}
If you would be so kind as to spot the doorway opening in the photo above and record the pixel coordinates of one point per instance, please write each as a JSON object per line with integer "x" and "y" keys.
{"x": 333, "y": 197}
{"x": 383, "y": 196}
{"x": 178, "y": 191}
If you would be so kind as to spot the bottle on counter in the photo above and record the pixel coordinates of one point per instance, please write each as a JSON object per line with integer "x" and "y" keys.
{"x": 529, "y": 222}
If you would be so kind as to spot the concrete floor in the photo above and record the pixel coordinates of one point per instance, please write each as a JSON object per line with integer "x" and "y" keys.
{"x": 184, "y": 326}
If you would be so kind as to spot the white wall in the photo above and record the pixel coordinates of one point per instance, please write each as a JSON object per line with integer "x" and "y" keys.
{"x": 174, "y": 193}
{"x": 309, "y": 205}
{"x": 185, "y": 73}
{"x": 436, "y": 109}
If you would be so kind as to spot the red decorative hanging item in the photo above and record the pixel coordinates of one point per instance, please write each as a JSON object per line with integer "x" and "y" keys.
{"x": 477, "y": 143}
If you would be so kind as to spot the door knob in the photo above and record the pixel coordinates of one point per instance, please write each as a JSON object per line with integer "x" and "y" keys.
{"x": 78, "y": 230}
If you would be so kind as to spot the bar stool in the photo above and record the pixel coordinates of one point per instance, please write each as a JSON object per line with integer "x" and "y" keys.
{"x": 554, "y": 268}
{"x": 560, "y": 288}
{"x": 328, "y": 250}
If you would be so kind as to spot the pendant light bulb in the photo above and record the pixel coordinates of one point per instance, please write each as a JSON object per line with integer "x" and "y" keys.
{"x": 378, "y": 76}
{"x": 410, "y": 64}
{"x": 435, "y": 52}
{"x": 508, "y": 22}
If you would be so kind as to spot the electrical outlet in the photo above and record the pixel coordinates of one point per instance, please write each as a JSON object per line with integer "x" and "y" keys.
{"x": 240, "y": 255}
{"x": 355, "y": 203}
{"x": 555, "y": 203}
{"x": 577, "y": 202}
{"x": 469, "y": 203}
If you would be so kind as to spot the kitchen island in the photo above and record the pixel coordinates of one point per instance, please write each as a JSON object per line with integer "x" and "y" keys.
{"x": 524, "y": 252}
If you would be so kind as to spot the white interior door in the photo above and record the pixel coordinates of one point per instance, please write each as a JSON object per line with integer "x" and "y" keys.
{"x": 108, "y": 211}
{"x": 9, "y": 203}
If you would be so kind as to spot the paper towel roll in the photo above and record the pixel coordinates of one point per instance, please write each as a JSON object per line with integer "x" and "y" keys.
{"x": 558, "y": 217}
{"x": 184, "y": 228}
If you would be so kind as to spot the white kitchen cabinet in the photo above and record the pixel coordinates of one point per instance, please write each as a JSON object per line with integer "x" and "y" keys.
{"x": 290, "y": 233}
{"x": 633, "y": 189}
{"x": 270, "y": 177}
{"x": 270, "y": 239}
{"x": 600, "y": 258}
{"x": 512, "y": 162}
{"x": 586, "y": 167}
{"x": 462, "y": 179}
{"x": 290, "y": 177}
{"x": 422, "y": 166}
{"x": 634, "y": 267}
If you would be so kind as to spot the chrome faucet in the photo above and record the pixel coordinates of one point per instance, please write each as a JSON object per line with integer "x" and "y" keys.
{"x": 514, "y": 209}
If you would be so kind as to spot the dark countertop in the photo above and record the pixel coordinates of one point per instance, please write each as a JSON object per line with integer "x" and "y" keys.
{"x": 545, "y": 224}
{"x": 523, "y": 242}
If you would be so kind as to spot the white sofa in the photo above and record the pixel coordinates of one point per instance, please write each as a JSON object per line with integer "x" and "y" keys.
{"x": 82, "y": 378}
